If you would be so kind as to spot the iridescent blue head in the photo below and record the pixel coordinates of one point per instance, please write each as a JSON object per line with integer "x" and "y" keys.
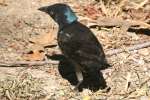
{"x": 61, "y": 13}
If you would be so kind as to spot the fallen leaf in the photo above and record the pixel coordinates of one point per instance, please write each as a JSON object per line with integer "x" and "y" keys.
{"x": 36, "y": 47}
{"x": 35, "y": 54}
{"x": 2, "y": 3}
{"x": 92, "y": 12}
{"x": 44, "y": 39}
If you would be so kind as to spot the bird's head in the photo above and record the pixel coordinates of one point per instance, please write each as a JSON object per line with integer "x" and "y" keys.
{"x": 61, "y": 13}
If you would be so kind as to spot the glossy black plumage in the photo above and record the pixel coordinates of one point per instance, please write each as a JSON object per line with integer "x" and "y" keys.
{"x": 78, "y": 44}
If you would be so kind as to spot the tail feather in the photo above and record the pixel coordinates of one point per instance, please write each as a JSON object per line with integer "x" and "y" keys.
{"x": 95, "y": 79}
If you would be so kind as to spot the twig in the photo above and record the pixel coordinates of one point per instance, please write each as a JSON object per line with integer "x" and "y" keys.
{"x": 135, "y": 47}
{"x": 24, "y": 63}
{"x": 110, "y": 22}
{"x": 126, "y": 96}
{"x": 8, "y": 95}
{"x": 142, "y": 4}
{"x": 128, "y": 81}
{"x": 38, "y": 63}
{"x": 143, "y": 83}
{"x": 103, "y": 7}
{"x": 121, "y": 4}
{"x": 117, "y": 51}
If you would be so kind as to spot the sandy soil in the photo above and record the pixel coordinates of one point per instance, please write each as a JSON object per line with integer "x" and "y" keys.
{"x": 20, "y": 20}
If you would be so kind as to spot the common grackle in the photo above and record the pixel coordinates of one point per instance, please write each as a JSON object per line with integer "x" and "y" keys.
{"x": 78, "y": 44}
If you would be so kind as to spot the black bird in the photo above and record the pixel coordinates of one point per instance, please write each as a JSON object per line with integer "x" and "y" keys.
{"x": 78, "y": 44}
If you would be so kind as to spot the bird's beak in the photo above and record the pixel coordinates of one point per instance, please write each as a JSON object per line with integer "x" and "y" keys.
{"x": 44, "y": 9}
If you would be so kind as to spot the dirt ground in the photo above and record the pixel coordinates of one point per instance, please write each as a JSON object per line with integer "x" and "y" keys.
{"x": 128, "y": 78}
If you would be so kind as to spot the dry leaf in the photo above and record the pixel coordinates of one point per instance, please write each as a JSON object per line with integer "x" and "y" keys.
{"x": 2, "y": 3}
{"x": 44, "y": 39}
{"x": 36, "y": 53}
{"x": 38, "y": 44}
{"x": 92, "y": 12}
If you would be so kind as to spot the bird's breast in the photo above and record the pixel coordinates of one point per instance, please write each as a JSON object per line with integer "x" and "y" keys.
{"x": 64, "y": 37}
{"x": 63, "y": 40}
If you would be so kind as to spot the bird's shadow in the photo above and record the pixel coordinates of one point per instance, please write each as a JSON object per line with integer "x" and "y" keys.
{"x": 67, "y": 71}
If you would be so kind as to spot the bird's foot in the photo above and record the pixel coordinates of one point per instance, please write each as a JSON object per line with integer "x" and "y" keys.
{"x": 77, "y": 86}
{"x": 106, "y": 90}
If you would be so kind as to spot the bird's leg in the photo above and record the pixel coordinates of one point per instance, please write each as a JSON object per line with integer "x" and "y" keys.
{"x": 78, "y": 74}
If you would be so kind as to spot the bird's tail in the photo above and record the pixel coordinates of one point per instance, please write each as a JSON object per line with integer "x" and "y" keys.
{"x": 95, "y": 79}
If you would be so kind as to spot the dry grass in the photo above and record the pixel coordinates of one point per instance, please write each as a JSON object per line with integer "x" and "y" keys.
{"x": 21, "y": 87}
{"x": 129, "y": 77}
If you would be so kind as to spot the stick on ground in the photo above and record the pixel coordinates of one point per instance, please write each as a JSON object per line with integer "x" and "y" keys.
{"x": 132, "y": 48}
{"x": 38, "y": 63}
{"x": 24, "y": 63}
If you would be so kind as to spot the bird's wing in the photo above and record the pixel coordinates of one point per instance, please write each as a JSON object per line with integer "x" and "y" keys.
{"x": 87, "y": 53}
{"x": 90, "y": 52}
{"x": 83, "y": 47}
